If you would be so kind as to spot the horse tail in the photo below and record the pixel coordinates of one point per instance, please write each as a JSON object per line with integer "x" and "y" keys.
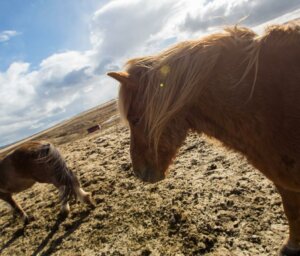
{"x": 63, "y": 176}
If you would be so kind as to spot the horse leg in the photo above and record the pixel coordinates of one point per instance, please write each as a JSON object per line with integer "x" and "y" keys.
{"x": 84, "y": 197}
{"x": 7, "y": 197}
{"x": 291, "y": 206}
{"x": 68, "y": 184}
{"x": 65, "y": 207}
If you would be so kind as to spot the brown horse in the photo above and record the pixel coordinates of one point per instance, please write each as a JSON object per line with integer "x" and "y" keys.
{"x": 236, "y": 86}
{"x": 38, "y": 162}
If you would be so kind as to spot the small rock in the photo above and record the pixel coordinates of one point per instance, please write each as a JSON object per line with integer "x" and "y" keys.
{"x": 125, "y": 166}
{"x": 146, "y": 252}
{"x": 211, "y": 167}
{"x": 194, "y": 162}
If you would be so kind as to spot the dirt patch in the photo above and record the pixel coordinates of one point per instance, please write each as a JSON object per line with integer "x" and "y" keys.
{"x": 211, "y": 203}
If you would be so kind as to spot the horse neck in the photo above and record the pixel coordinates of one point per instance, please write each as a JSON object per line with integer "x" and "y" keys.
{"x": 4, "y": 163}
{"x": 226, "y": 115}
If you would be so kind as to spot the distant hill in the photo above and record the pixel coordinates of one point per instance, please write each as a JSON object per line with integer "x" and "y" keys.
{"x": 74, "y": 128}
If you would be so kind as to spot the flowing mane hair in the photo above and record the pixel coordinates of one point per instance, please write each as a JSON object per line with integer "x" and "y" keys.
{"x": 171, "y": 79}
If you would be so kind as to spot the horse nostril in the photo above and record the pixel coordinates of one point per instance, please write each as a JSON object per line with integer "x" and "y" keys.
{"x": 140, "y": 173}
{"x": 145, "y": 174}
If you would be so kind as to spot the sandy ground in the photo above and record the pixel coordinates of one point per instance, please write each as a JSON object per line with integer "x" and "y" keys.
{"x": 211, "y": 203}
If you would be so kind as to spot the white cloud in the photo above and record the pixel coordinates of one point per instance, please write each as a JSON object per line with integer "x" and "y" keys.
{"x": 218, "y": 13}
{"x": 16, "y": 88}
{"x": 63, "y": 85}
{"x": 67, "y": 61}
{"x": 122, "y": 28}
{"x": 69, "y": 82}
{"x": 6, "y": 35}
{"x": 278, "y": 20}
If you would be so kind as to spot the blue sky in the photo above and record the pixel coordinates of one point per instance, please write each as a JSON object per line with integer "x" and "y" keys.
{"x": 44, "y": 27}
{"x": 54, "y": 54}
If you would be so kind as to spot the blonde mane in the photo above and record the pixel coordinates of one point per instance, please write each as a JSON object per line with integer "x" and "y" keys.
{"x": 171, "y": 79}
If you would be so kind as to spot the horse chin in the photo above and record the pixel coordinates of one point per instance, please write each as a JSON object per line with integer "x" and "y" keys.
{"x": 148, "y": 175}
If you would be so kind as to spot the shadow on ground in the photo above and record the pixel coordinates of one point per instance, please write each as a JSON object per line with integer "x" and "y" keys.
{"x": 53, "y": 245}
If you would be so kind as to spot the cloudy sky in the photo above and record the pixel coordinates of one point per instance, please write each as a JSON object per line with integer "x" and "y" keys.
{"x": 54, "y": 54}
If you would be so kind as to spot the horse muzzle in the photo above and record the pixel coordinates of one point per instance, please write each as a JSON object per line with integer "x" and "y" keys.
{"x": 149, "y": 175}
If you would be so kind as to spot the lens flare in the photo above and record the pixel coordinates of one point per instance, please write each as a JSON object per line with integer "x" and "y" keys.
{"x": 165, "y": 70}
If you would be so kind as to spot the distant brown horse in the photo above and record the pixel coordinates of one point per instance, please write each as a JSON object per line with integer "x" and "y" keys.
{"x": 236, "y": 86}
{"x": 38, "y": 162}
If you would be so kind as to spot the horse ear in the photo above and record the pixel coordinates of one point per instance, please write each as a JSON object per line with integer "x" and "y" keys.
{"x": 122, "y": 77}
